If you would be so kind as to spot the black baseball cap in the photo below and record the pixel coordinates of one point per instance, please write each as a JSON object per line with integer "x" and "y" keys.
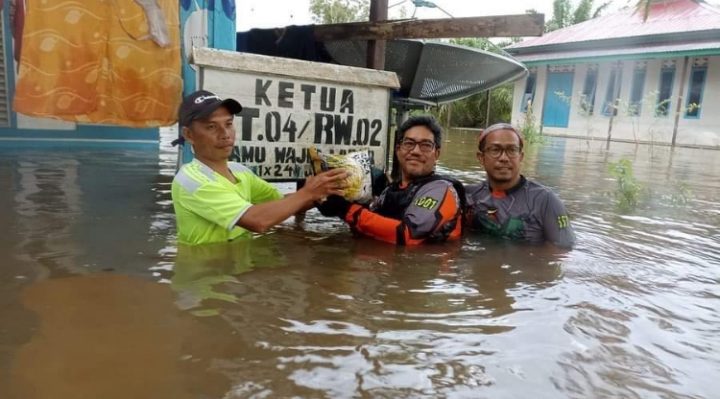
{"x": 199, "y": 105}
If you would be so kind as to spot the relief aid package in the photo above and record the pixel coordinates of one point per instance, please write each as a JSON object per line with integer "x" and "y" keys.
{"x": 357, "y": 164}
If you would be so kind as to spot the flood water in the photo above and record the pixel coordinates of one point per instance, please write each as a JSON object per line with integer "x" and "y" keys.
{"x": 97, "y": 301}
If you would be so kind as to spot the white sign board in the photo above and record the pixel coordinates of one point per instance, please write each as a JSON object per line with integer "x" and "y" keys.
{"x": 291, "y": 105}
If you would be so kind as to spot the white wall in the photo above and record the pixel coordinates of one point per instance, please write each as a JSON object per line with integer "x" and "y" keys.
{"x": 646, "y": 127}
{"x": 706, "y": 129}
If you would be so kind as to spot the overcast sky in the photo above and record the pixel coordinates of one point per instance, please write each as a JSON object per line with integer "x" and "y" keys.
{"x": 274, "y": 13}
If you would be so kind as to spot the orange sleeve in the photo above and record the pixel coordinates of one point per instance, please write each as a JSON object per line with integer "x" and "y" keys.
{"x": 450, "y": 215}
{"x": 404, "y": 232}
{"x": 374, "y": 225}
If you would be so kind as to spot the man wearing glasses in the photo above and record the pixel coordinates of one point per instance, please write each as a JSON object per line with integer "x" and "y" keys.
{"x": 421, "y": 206}
{"x": 507, "y": 205}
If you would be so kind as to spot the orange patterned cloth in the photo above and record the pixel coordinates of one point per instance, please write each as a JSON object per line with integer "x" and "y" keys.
{"x": 95, "y": 62}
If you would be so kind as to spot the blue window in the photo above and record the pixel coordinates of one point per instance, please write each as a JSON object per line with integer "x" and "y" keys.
{"x": 587, "y": 102}
{"x": 610, "y": 93}
{"x": 529, "y": 94}
{"x": 636, "y": 92}
{"x": 667, "y": 77}
{"x": 695, "y": 92}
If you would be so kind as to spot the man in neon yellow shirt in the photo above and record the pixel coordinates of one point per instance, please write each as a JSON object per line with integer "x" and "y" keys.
{"x": 216, "y": 200}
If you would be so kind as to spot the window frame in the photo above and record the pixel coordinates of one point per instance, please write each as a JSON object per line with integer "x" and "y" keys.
{"x": 637, "y": 86}
{"x": 585, "y": 92}
{"x": 668, "y": 106}
{"x": 694, "y": 69}
{"x": 613, "y": 78}
{"x": 532, "y": 76}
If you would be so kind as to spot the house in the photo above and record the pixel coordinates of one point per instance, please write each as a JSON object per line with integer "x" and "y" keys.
{"x": 618, "y": 77}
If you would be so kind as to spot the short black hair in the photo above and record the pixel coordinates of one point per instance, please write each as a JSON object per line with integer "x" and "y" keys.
{"x": 421, "y": 120}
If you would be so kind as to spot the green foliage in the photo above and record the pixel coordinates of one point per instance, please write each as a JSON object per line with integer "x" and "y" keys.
{"x": 582, "y": 11}
{"x": 472, "y": 111}
{"x": 530, "y": 129}
{"x": 475, "y": 42}
{"x": 564, "y": 14}
{"x": 629, "y": 190}
{"x": 663, "y": 107}
{"x": 680, "y": 195}
{"x": 339, "y": 11}
{"x": 643, "y": 7}
{"x": 562, "y": 9}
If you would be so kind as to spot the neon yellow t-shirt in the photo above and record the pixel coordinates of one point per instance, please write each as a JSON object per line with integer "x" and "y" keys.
{"x": 208, "y": 206}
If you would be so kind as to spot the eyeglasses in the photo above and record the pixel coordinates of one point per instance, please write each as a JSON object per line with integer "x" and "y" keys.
{"x": 512, "y": 151}
{"x": 409, "y": 145}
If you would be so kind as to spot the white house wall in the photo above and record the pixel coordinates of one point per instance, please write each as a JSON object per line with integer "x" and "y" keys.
{"x": 706, "y": 129}
{"x": 646, "y": 127}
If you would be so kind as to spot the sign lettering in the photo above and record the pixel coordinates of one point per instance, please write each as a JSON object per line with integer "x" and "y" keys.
{"x": 283, "y": 117}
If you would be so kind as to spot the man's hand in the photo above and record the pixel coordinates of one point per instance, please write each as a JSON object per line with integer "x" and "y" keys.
{"x": 334, "y": 205}
{"x": 324, "y": 184}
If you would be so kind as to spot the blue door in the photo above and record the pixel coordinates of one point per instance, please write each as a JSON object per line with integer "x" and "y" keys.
{"x": 557, "y": 99}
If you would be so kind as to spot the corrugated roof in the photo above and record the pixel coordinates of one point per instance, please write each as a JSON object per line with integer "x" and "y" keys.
{"x": 641, "y": 51}
{"x": 665, "y": 17}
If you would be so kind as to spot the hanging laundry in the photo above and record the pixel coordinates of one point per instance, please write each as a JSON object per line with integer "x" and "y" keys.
{"x": 97, "y": 62}
{"x": 156, "y": 22}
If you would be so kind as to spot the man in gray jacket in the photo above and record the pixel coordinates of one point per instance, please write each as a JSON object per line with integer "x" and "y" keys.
{"x": 508, "y": 205}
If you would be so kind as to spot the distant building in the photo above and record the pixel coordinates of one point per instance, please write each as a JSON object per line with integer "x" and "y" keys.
{"x": 618, "y": 77}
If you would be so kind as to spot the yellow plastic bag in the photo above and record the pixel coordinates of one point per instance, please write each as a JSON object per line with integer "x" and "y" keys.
{"x": 357, "y": 164}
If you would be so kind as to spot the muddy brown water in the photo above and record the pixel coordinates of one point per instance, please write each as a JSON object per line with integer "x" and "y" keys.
{"x": 97, "y": 300}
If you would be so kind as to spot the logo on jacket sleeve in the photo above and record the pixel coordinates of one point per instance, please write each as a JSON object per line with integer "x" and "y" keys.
{"x": 563, "y": 221}
{"x": 426, "y": 202}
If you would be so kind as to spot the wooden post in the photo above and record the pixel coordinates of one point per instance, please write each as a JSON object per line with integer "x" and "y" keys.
{"x": 376, "y": 48}
{"x": 487, "y": 110}
{"x": 489, "y": 26}
{"x": 616, "y": 98}
{"x": 679, "y": 108}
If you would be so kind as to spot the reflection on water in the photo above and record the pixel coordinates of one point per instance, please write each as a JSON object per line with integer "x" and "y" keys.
{"x": 99, "y": 332}
{"x": 98, "y": 301}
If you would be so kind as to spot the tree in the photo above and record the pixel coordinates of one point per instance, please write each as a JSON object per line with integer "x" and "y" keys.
{"x": 564, "y": 14}
{"x": 475, "y": 42}
{"x": 339, "y": 11}
{"x": 643, "y": 6}
{"x": 468, "y": 112}
{"x": 472, "y": 111}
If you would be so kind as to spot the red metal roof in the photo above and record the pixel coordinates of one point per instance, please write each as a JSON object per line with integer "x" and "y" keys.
{"x": 665, "y": 17}
{"x": 647, "y": 51}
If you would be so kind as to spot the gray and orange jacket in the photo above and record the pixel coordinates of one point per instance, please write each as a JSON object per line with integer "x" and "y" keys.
{"x": 527, "y": 212}
{"x": 426, "y": 210}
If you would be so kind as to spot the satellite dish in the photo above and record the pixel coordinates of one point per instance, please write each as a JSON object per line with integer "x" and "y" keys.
{"x": 433, "y": 73}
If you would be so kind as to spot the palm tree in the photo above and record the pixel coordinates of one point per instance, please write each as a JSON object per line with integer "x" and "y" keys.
{"x": 564, "y": 14}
